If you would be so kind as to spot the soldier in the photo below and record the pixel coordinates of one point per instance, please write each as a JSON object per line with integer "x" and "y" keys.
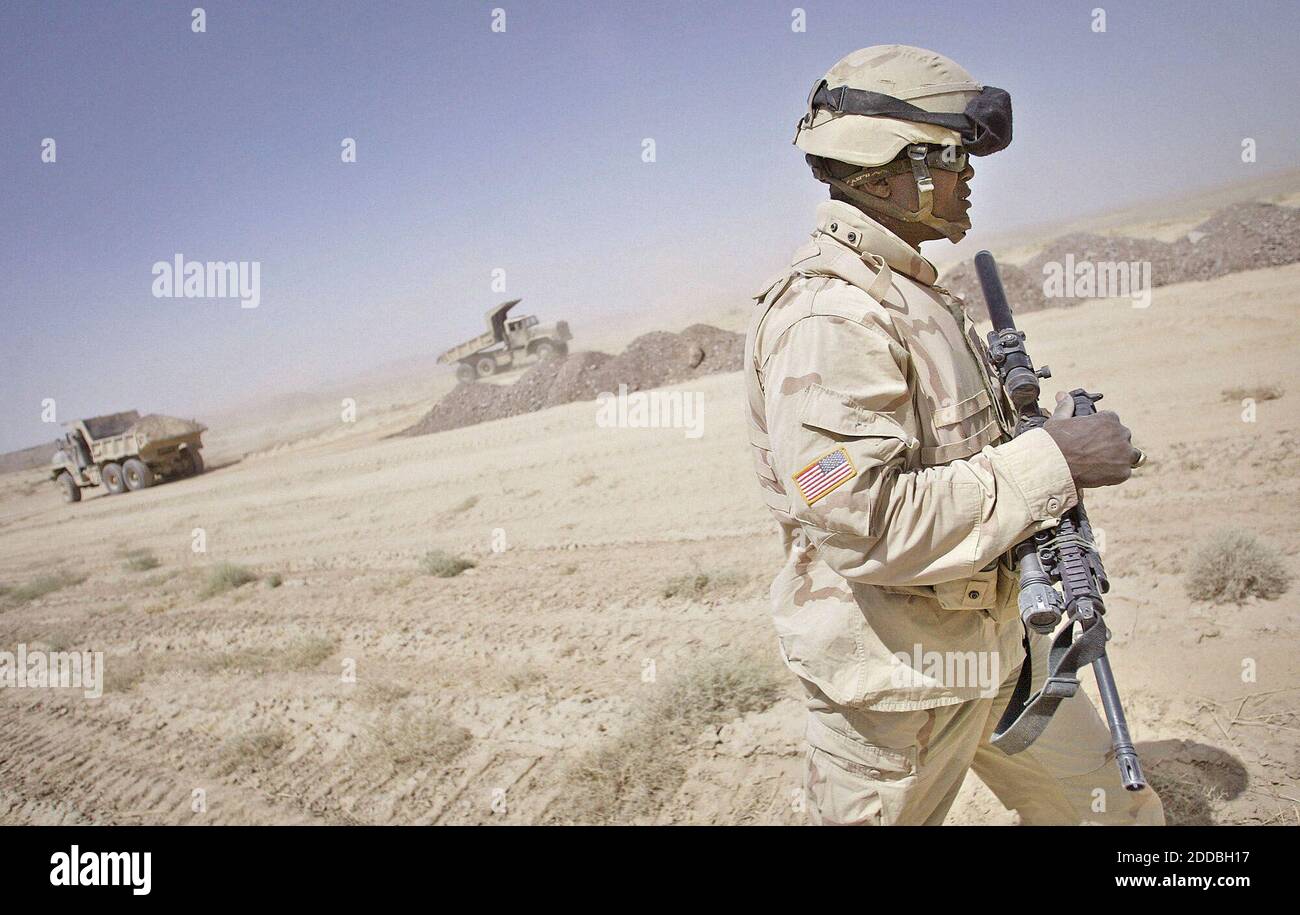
{"x": 882, "y": 445}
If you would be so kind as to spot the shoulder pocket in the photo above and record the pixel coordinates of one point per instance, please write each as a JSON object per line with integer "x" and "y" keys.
{"x": 965, "y": 409}
{"x": 836, "y": 413}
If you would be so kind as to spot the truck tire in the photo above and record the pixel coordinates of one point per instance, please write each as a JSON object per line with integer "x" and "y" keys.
{"x": 465, "y": 372}
{"x": 137, "y": 474}
{"x": 485, "y": 366}
{"x": 111, "y": 473}
{"x": 545, "y": 349}
{"x": 196, "y": 462}
{"x": 68, "y": 487}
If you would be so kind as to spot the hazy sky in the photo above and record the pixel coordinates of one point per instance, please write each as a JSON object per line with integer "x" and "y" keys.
{"x": 522, "y": 151}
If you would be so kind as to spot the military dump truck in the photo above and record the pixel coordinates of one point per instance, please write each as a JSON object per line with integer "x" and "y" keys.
{"x": 124, "y": 451}
{"x": 506, "y": 343}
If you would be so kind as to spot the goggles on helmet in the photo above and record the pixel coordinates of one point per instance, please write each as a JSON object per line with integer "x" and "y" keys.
{"x": 985, "y": 125}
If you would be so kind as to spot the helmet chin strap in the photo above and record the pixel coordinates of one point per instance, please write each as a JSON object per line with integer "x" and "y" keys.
{"x": 924, "y": 213}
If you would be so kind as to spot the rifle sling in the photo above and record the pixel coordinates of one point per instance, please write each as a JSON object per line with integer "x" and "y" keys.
{"x": 1026, "y": 716}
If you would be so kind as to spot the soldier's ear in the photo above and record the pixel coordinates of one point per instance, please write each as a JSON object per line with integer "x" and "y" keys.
{"x": 876, "y": 187}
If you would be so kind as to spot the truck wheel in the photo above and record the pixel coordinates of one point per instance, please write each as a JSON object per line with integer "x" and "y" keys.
{"x": 485, "y": 366}
{"x": 137, "y": 474}
{"x": 71, "y": 491}
{"x": 545, "y": 350}
{"x": 112, "y": 475}
{"x": 196, "y": 463}
{"x": 465, "y": 372}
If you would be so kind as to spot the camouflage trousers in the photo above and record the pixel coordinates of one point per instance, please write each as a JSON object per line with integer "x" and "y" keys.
{"x": 905, "y": 768}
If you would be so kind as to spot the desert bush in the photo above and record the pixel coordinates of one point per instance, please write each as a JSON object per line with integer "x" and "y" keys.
{"x": 122, "y": 673}
{"x": 304, "y": 654}
{"x": 444, "y": 565}
{"x": 157, "y": 581}
{"x": 308, "y": 653}
{"x": 274, "y": 580}
{"x": 1259, "y": 392}
{"x": 141, "y": 560}
{"x": 640, "y": 770}
{"x": 43, "y": 585}
{"x": 415, "y": 739}
{"x": 465, "y": 505}
{"x": 383, "y": 694}
{"x": 1233, "y": 565}
{"x": 698, "y": 584}
{"x": 254, "y": 750}
{"x": 226, "y": 576}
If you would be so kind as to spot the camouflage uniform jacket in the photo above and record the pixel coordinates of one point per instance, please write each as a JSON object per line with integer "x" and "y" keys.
{"x": 881, "y": 445}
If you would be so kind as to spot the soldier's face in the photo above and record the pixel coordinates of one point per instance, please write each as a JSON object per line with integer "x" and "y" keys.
{"x": 951, "y": 197}
{"x": 952, "y": 194}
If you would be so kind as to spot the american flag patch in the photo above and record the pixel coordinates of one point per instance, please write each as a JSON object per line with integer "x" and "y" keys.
{"x": 824, "y": 474}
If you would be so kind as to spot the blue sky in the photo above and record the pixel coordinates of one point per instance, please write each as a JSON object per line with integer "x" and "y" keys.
{"x": 518, "y": 150}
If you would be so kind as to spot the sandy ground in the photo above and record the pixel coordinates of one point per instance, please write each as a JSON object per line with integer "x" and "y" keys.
{"x": 475, "y": 697}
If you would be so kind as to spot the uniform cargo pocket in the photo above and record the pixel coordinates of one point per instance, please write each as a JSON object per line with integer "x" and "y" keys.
{"x": 833, "y": 412}
{"x": 868, "y": 788}
{"x": 979, "y": 592}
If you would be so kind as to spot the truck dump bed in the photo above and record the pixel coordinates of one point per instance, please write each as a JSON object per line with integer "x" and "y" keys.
{"x": 117, "y": 436}
{"x": 496, "y": 319}
{"x": 468, "y": 348}
{"x": 109, "y": 425}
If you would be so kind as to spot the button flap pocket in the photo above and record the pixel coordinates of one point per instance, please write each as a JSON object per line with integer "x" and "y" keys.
{"x": 836, "y": 413}
{"x": 979, "y": 592}
{"x": 867, "y": 760}
{"x": 963, "y": 409}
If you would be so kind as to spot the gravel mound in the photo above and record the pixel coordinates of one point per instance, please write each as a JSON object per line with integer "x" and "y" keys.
{"x": 650, "y": 361}
{"x": 1245, "y": 236}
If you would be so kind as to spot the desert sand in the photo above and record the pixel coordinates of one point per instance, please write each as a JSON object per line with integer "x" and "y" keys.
{"x": 484, "y": 697}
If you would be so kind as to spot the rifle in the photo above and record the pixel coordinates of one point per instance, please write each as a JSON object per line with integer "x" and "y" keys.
{"x": 1065, "y": 555}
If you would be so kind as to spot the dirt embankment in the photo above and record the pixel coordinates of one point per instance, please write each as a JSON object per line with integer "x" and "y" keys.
{"x": 1246, "y": 236}
{"x": 650, "y": 361}
{"x": 27, "y": 458}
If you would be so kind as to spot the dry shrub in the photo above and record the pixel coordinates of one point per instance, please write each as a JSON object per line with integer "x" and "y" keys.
{"x": 226, "y": 576}
{"x": 700, "y": 584}
{"x": 416, "y": 739}
{"x": 463, "y": 506}
{"x": 140, "y": 560}
{"x": 122, "y": 673}
{"x": 43, "y": 585}
{"x": 638, "y": 773}
{"x": 304, "y": 654}
{"x": 444, "y": 565}
{"x": 1259, "y": 393}
{"x": 1233, "y": 565}
{"x": 255, "y": 750}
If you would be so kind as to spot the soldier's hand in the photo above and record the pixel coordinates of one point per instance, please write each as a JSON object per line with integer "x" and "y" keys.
{"x": 1098, "y": 447}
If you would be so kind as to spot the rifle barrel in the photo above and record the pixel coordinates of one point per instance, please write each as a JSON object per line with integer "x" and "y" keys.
{"x": 995, "y": 297}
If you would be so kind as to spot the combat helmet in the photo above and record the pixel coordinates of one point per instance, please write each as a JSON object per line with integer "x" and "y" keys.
{"x": 885, "y": 109}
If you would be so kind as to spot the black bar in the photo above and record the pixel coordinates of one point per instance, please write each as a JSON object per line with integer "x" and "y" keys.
{"x": 995, "y": 297}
